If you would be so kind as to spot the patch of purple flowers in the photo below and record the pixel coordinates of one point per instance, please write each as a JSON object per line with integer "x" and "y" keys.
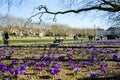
{"x": 22, "y": 66}
{"x": 77, "y": 70}
{"x": 94, "y": 74}
{"x": 54, "y": 71}
{"x": 38, "y": 68}
{"x": 115, "y": 57}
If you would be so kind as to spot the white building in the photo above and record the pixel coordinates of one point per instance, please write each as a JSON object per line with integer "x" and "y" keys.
{"x": 113, "y": 31}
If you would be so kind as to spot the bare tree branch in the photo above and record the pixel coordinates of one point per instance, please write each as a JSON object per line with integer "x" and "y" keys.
{"x": 100, "y": 5}
{"x": 75, "y": 11}
{"x": 83, "y": 9}
{"x": 110, "y": 3}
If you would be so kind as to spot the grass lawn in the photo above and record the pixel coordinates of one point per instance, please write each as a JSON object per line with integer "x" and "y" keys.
{"x": 66, "y": 69}
{"x": 65, "y": 63}
{"x": 14, "y": 40}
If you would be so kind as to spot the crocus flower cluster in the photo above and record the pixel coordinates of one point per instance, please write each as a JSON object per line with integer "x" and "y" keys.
{"x": 95, "y": 60}
{"x": 23, "y": 67}
{"x": 19, "y": 71}
{"x": 56, "y": 69}
{"x": 38, "y": 68}
{"x": 94, "y": 74}
{"x": 77, "y": 69}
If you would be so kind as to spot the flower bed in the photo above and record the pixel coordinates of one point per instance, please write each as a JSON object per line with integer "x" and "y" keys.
{"x": 59, "y": 63}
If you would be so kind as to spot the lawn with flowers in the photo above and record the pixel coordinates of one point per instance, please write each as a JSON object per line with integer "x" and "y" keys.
{"x": 90, "y": 61}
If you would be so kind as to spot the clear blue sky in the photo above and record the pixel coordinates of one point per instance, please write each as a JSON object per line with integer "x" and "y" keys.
{"x": 73, "y": 20}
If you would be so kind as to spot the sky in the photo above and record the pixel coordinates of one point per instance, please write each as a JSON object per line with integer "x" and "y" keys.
{"x": 76, "y": 21}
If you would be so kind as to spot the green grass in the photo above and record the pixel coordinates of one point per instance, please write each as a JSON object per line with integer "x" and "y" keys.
{"x": 14, "y": 40}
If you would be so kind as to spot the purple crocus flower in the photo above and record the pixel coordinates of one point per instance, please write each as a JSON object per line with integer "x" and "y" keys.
{"x": 32, "y": 63}
{"x": 1, "y": 59}
{"x": 3, "y": 73}
{"x": 30, "y": 77}
{"x": 80, "y": 52}
{"x": 88, "y": 51}
{"x": 103, "y": 70}
{"x": 22, "y": 66}
{"x": 74, "y": 51}
{"x": 14, "y": 62}
{"x": 71, "y": 63}
{"x": 115, "y": 51}
{"x": 9, "y": 78}
{"x": 77, "y": 70}
{"x": 38, "y": 69}
{"x": 44, "y": 64}
{"x": 61, "y": 58}
{"x": 52, "y": 72}
{"x": 70, "y": 53}
{"x": 42, "y": 58}
{"x": 57, "y": 66}
{"x": 22, "y": 72}
{"x": 25, "y": 60}
{"x": 115, "y": 57}
{"x": 102, "y": 58}
{"x": 59, "y": 52}
{"x": 57, "y": 70}
{"x": 102, "y": 50}
{"x": 8, "y": 57}
{"x": 4, "y": 69}
{"x": 76, "y": 65}
{"x": 104, "y": 65}
{"x": 86, "y": 63}
{"x": 3, "y": 79}
{"x": 18, "y": 59}
{"x": 108, "y": 50}
{"x": 70, "y": 58}
{"x": 51, "y": 57}
{"x": 18, "y": 71}
{"x": 95, "y": 52}
{"x": 118, "y": 63}
{"x": 2, "y": 65}
{"x": 94, "y": 74}
{"x": 58, "y": 79}
{"x": 11, "y": 70}
{"x": 94, "y": 59}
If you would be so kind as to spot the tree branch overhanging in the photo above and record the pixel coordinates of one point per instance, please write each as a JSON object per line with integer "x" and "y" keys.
{"x": 44, "y": 10}
{"x": 116, "y": 9}
{"x": 109, "y": 3}
{"x": 104, "y": 5}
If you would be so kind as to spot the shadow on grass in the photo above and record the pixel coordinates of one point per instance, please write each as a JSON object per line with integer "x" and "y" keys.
{"x": 45, "y": 77}
{"x": 114, "y": 77}
{"x": 70, "y": 74}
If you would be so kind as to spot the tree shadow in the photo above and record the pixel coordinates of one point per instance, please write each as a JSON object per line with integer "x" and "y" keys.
{"x": 113, "y": 77}
{"x": 45, "y": 77}
{"x": 70, "y": 74}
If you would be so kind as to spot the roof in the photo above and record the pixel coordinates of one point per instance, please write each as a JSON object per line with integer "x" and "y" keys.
{"x": 113, "y": 28}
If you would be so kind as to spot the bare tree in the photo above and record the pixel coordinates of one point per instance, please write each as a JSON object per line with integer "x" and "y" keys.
{"x": 10, "y": 3}
{"x": 6, "y": 20}
{"x": 110, "y": 7}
